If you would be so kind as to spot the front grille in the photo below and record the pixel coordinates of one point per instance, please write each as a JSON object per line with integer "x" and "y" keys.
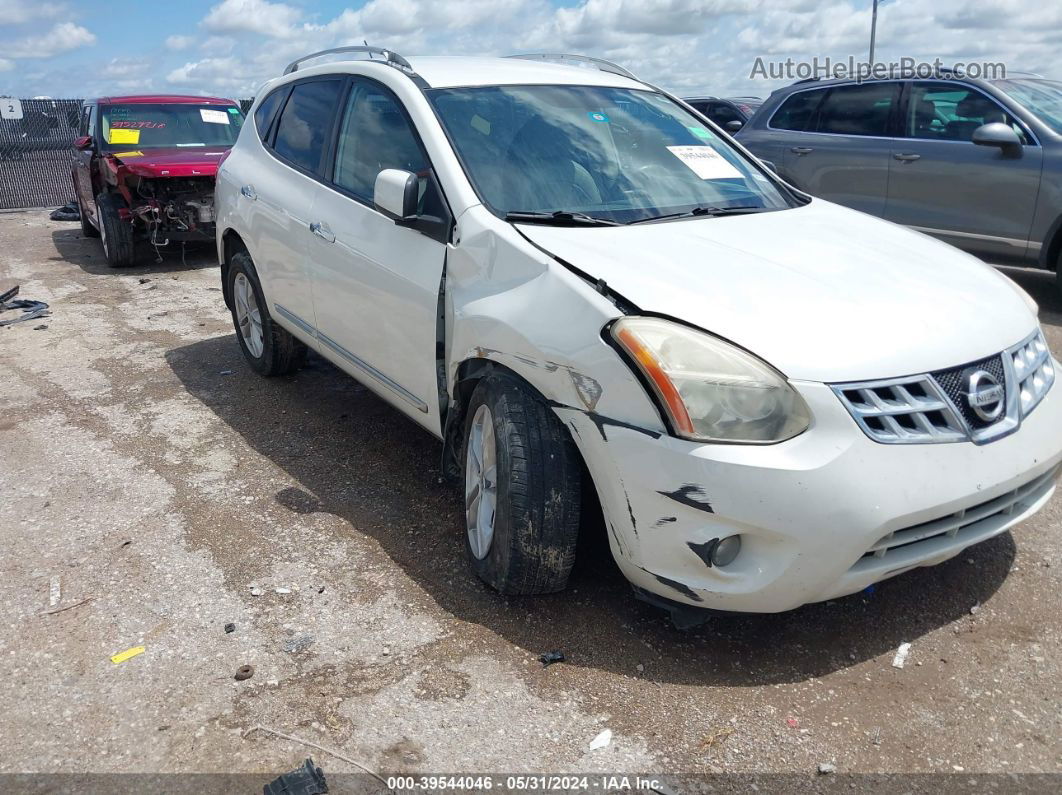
{"x": 1033, "y": 371}
{"x": 969, "y": 522}
{"x": 902, "y": 410}
{"x": 936, "y": 407}
{"x": 955, "y": 381}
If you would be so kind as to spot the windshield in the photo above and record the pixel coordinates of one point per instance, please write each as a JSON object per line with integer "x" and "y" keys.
{"x": 145, "y": 126}
{"x": 1042, "y": 98}
{"x": 617, "y": 154}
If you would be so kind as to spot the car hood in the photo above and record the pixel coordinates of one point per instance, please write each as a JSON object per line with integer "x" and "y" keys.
{"x": 201, "y": 161}
{"x": 821, "y": 292}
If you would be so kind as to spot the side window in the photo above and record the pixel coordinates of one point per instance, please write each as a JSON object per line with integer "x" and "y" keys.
{"x": 83, "y": 124}
{"x": 373, "y": 135}
{"x": 93, "y": 109}
{"x": 265, "y": 112}
{"x": 951, "y": 112}
{"x": 306, "y": 121}
{"x": 858, "y": 110}
{"x": 795, "y": 112}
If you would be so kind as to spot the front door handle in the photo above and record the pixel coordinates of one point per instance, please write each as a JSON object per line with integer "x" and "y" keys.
{"x": 322, "y": 231}
{"x": 248, "y": 191}
{"x": 802, "y": 150}
{"x": 906, "y": 158}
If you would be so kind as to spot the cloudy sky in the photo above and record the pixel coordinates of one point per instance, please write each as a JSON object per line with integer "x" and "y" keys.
{"x": 80, "y": 48}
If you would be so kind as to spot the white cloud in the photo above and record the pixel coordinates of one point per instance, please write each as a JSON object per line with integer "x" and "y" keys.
{"x": 6, "y": 65}
{"x": 62, "y": 37}
{"x": 16, "y": 12}
{"x": 252, "y": 16}
{"x": 178, "y": 43}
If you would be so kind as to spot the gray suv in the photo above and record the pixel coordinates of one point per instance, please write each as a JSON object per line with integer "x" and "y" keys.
{"x": 976, "y": 163}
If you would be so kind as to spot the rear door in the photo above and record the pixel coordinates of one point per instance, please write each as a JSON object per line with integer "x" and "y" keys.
{"x": 974, "y": 197}
{"x": 843, "y": 152}
{"x": 376, "y": 283}
{"x": 277, "y": 191}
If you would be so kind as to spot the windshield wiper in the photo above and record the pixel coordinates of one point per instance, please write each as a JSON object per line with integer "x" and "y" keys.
{"x": 714, "y": 212}
{"x": 559, "y": 218}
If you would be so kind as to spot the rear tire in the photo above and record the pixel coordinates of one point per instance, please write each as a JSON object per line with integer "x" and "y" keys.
{"x": 523, "y": 481}
{"x": 87, "y": 229}
{"x": 117, "y": 235}
{"x": 268, "y": 348}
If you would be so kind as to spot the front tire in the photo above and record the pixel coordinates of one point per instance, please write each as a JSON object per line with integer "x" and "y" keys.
{"x": 116, "y": 234}
{"x": 268, "y": 348}
{"x": 522, "y": 489}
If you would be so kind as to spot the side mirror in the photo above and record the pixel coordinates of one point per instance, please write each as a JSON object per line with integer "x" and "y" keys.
{"x": 83, "y": 142}
{"x": 734, "y": 126}
{"x": 999, "y": 135}
{"x": 395, "y": 194}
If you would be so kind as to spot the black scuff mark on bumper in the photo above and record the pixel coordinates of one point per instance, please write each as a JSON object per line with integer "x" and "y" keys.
{"x": 602, "y": 421}
{"x": 685, "y": 590}
{"x": 704, "y": 551}
{"x": 630, "y": 510}
{"x": 692, "y": 495}
{"x": 663, "y": 520}
{"x": 615, "y": 536}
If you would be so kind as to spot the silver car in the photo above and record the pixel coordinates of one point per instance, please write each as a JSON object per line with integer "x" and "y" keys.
{"x": 976, "y": 163}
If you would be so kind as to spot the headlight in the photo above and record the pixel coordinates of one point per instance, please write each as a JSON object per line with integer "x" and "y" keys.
{"x": 711, "y": 390}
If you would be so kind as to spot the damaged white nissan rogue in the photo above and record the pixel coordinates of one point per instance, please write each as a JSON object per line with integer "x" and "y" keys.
{"x": 572, "y": 279}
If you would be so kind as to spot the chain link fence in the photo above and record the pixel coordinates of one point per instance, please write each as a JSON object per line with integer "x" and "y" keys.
{"x": 36, "y": 151}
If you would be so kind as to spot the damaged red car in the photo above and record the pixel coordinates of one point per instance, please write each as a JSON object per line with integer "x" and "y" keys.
{"x": 145, "y": 168}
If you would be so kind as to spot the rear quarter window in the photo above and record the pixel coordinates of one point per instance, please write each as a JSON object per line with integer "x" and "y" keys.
{"x": 267, "y": 109}
{"x": 796, "y": 111}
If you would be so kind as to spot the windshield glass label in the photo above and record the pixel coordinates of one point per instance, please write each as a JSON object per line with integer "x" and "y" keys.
{"x": 214, "y": 116}
{"x": 705, "y": 162}
{"x": 122, "y": 136}
{"x": 595, "y": 116}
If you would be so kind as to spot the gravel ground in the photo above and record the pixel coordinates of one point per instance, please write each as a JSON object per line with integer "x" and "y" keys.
{"x": 147, "y": 470}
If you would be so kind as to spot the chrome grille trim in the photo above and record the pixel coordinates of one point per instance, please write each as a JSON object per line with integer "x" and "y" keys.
{"x": 1034, "y": 372}
{"x": 920, "y": 409}
{"x": 902, "y": 410}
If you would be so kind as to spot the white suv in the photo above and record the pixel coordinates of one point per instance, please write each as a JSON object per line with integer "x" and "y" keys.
{"x": 572, "y": 278}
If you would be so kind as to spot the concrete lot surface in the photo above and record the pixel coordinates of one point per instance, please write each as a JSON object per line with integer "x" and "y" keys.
{"x": 145, "y": 468}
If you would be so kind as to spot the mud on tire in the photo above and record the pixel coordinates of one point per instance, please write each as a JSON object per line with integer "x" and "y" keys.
{"x": 538, "y": 488}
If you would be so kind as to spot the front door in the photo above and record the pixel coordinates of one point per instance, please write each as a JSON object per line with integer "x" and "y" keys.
{"x": 376, "y": 283}
{"x": 83, "y": 164}
{"x": 975, "y": 197}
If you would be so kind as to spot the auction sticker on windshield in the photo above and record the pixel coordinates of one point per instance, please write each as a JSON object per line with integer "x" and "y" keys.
{"x": 214, "y": 116}
{"x": 705, "y": 162}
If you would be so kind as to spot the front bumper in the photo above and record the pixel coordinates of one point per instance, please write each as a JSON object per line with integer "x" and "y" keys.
{"x": 822, "y": 515}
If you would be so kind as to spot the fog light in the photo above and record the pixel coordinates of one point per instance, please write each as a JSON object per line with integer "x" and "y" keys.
{"x": 726, "y": 550}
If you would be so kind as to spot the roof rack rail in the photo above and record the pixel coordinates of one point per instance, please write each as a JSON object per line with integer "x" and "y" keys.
{"x": 391, "y": 58}
{"x": 599, "y": 63}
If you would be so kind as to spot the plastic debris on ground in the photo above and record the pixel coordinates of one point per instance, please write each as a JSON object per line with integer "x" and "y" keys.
{"x": 602, "y": 740}
{"x": 30, "y": 309}
{"x": 128, "y": 654}
{"x": 901, "y": 655}
{"x": 68, "y": 212}
{"x": 827, "y": 768}
{"x": 551, "y": 657}
{"x": 230, "y": 627}
{"x": 307, "y": 779}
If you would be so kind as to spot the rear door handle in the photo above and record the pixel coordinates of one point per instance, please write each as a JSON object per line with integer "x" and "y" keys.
{"x": 322, "y": 231}
{"x": 802, "y": 150}
{"x": 906, "y": 158}
{"x": 248, "y": 191}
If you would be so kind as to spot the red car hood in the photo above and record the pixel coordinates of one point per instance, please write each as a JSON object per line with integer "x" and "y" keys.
{"x": 202, "y": 161}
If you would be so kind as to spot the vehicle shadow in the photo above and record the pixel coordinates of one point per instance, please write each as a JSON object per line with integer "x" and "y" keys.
{"x": 87, "y": 253}
{"x": 1043, "y": 288}
{"x": 359, "y": 459}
